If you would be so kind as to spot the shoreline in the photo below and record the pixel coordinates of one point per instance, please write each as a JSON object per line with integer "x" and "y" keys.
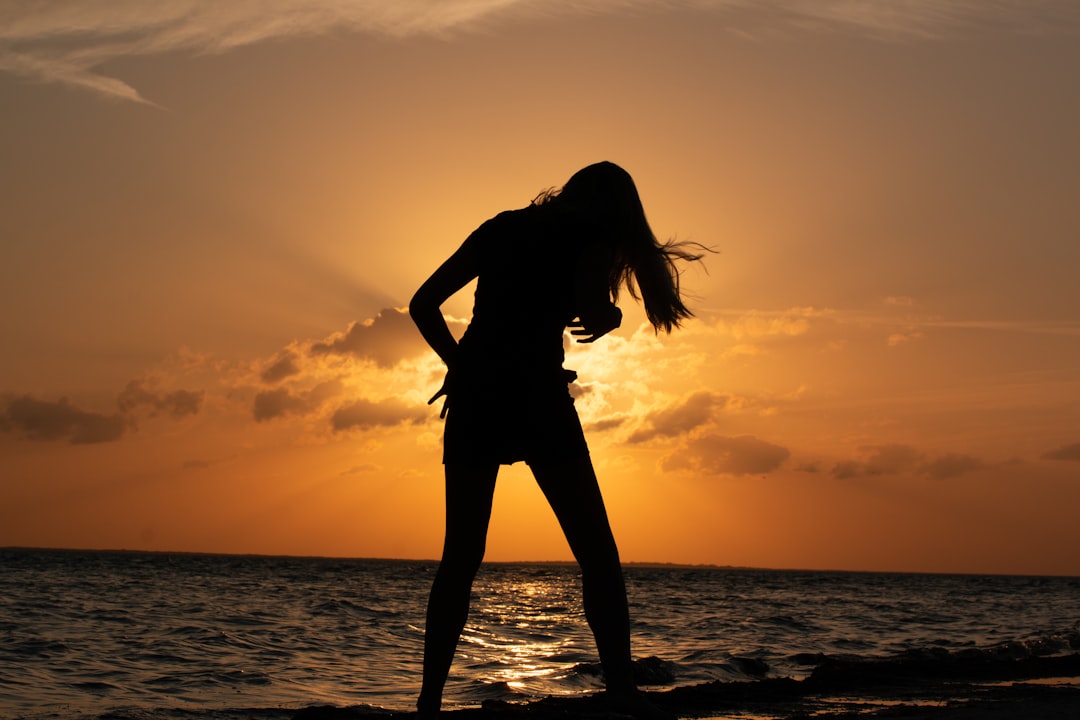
{"x": 941, "y": 687}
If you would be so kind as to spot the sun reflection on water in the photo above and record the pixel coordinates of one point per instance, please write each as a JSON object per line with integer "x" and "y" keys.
{"x": 528, "y": 635}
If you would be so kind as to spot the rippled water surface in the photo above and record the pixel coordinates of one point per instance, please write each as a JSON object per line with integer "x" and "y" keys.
{"x": 96, "y": 631}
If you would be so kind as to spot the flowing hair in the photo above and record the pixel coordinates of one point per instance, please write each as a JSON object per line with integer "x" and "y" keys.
{"x": 647, "y": 267}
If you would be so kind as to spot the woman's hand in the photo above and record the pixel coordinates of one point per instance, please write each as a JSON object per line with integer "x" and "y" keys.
{"x": 444, "y": 391}
{"x": 595, "y": 324}
{"x": 597, "y": 314}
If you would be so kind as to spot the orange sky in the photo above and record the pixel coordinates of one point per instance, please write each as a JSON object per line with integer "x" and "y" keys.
{"x": 209, "y": 217}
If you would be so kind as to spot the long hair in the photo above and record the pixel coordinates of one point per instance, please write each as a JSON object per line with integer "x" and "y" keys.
{"x": 648, "y": 268}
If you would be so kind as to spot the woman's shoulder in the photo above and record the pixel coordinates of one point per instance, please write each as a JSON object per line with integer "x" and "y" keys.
{"x": 506, "y": 222}
{"x": 540, "y": 227}
{"x": 517, "y": 215}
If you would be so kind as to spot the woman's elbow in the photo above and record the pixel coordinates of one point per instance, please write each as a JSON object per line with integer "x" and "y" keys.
{"x": 418, "y": 303}
{"x": 422, "y": 306}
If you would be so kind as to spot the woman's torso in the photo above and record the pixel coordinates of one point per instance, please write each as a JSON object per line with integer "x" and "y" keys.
{"x": 524, "y": 295}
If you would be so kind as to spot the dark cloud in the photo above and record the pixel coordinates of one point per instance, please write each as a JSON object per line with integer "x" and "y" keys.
{"x": 386, "y": 339}
{"x": 950, "y": 466}
{"x": 883, "y": 460}
{"x": 275, "y": 403}
{"x": 898, "y": 459}
{"x": 272, "y": 404}
{"x": 283, "y": 366}
{"x": 679, "y": 418}
{"x": 367, "y": 414}
{"x": 43, "y": 420}
{"x": 1066, "y": 452}
{"x": 719, "y": 455}
{"x": 361, "y": 470}
{"x": 848, "y": 469}
{"x": 579, "y": 391}
{"x": 608, "y": 423}
{"x": 178, "y": 403}
{"x": 49, "y": 421}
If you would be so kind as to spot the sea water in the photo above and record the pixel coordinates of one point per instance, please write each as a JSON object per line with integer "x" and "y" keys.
{"x": 162, "y": 635}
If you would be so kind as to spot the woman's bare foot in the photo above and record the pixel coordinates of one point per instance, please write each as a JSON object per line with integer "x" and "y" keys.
{"x": 427, "y": 710}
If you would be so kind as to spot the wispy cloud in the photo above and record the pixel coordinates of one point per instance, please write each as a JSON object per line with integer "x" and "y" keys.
{"x": 49, "y": 68}
{"x": 67, "y": 41}
{"x": 903, "y": 325}
{"x": 934, "y": 18}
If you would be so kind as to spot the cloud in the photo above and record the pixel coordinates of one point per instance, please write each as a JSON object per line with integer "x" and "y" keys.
{"x": 950, "y": 466}
{"x": 69, "y": 41}
{"x": 283, "y": 366}
{"x": 276, "y": 403}
{"x": 607, "y": 423}
{"x": 719, "y": 455}
{"x": 178, "y": 403}
{"x": 44, "y": 68}
{"x": 43, "y": 420}
{"x": 897, "y": 459}
{"x": 362, "y": 469}
{"x": 271, "y": 404}
{"x": 1065, "y": 452}
{"x": 751, "y": 326}
{"x": 883, "y": 460}
{"x": 368, "y": 414}
{"x": 935, "y": 18}
{"x": 758, "y": 324}
{"x": 386, "y": 339}
{"x": 679, "y": 418}
{"x": 899, "y": 338}
{"x": 1065, "y": 328}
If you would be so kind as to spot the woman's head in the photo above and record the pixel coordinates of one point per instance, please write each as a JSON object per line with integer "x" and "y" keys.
{"x": 608, "y": 196}
{"x": 606, "y": 191}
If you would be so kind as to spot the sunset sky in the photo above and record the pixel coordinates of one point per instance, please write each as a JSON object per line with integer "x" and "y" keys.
{"x": 211, "y": 215}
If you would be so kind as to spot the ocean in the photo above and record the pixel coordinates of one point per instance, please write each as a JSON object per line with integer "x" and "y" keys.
{"x": 157, "y": 636}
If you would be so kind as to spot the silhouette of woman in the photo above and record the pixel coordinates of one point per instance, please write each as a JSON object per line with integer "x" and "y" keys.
{"x": 558, "y": 263}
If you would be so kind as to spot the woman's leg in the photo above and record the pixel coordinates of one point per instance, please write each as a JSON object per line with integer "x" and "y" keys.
{"x": 469, "y": 492}
{"x": 574, "y": 494}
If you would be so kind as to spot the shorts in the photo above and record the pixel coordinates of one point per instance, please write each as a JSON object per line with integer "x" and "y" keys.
{"x": 492, "y": 422}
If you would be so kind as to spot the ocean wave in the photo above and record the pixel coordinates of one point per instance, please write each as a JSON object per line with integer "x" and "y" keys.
{"x": 205, "y": 632}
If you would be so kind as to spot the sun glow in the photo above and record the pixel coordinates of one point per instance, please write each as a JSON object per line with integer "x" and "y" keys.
{"x": 209, "y": 239}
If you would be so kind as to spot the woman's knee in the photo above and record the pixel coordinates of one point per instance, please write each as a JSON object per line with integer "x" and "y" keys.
{"x": 463, "y": 555}
{"x": 601, "y": 569}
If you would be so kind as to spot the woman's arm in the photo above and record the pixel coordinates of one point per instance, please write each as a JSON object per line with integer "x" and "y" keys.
{"x": 424, "y": 308}
{"x": 597, "y": 315}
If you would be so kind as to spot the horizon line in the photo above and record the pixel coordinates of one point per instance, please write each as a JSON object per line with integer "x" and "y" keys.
{"x": 657, "y": 564}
